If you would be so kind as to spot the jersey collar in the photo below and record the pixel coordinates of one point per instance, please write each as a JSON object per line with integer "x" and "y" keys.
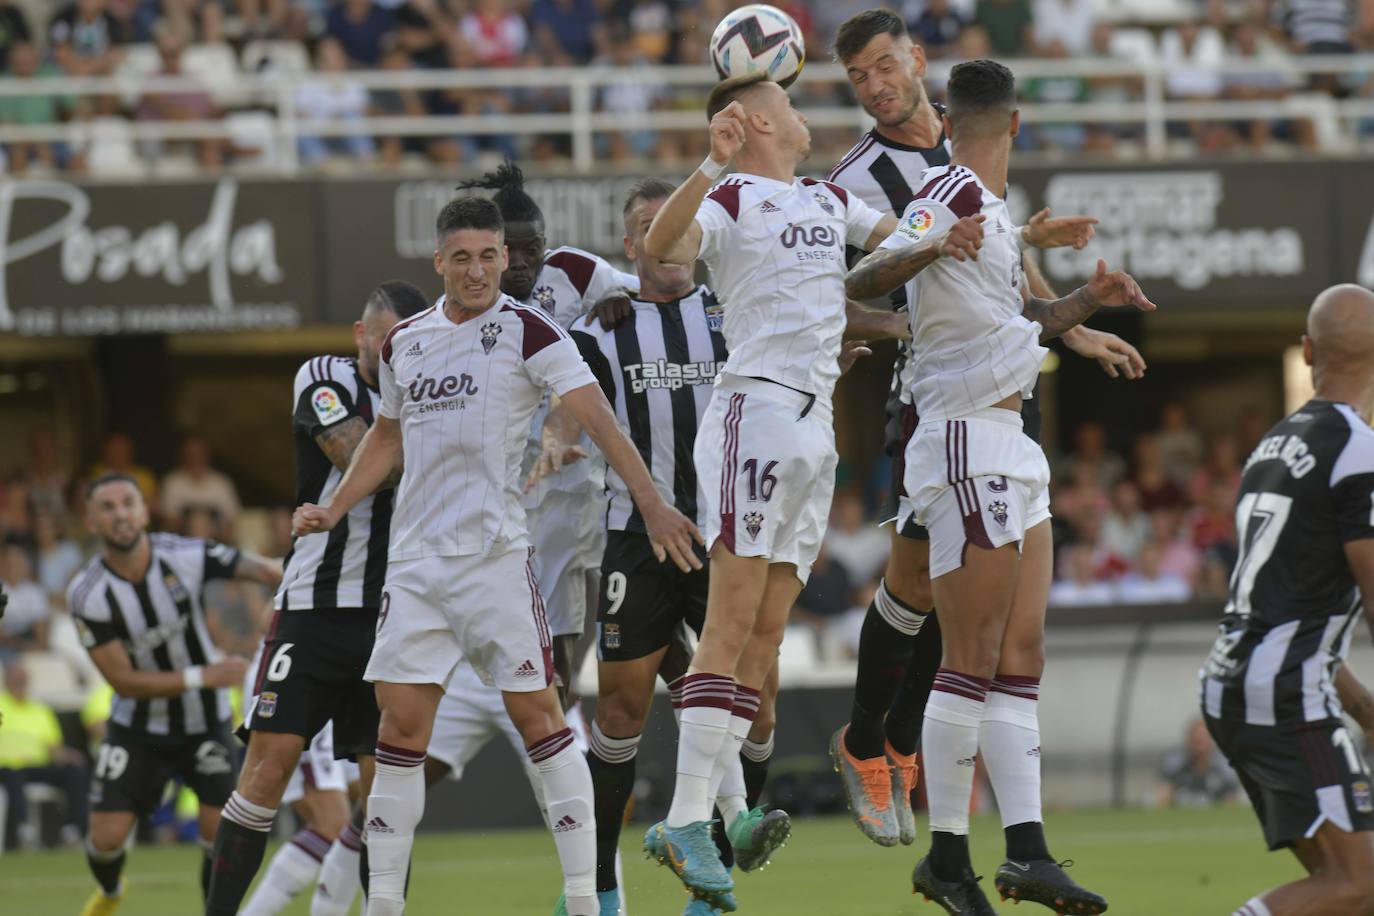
{"x": 906, "y": 148}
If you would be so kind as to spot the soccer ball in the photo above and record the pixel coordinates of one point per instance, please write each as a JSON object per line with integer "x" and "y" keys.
{"x": 758, "y": 37}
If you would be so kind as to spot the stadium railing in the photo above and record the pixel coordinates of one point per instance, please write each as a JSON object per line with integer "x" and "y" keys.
{"x": 1338, "y": 119}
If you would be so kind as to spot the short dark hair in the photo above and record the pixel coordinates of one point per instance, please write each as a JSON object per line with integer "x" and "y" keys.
{"x": 398, "y": 297}
{"x": 858, "y": 30}
{"x": 980, "y": 87}
{"x": 469, "y": 213}
{"x": 110, "y": 477}
{"x": 508, "y": 181}
{"x": 728, "y": 90}
{"x": 647, "y": 189}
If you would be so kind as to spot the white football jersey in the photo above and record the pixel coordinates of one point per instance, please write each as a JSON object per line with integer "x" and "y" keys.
{"x": 972, "y": 346}
{"x": 464, "y": 395}
{"x": 776, "y": 254}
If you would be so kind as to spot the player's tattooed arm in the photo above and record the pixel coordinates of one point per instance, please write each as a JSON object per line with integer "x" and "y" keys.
{"x": 864, "y": 323}
{"x": 1105, "y": 290}
{"x": 378, "y": 456}
{"x": 258, "y": 569}
{"x": 340, "y": 441}
{"x": 886, "y": 269}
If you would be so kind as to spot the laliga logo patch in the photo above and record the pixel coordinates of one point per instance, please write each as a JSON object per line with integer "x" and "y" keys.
{"x": 327, "y": 406}
{"x": 544, "y": 296}
{"x": 1364, "y": 800}
{"x": 824, "y": 202}
{"x": 753, "y": 523}
{"x": 267, "y": 705}
{"x": 998, "y": 510}
{"x": 917, "y": 223}
{"x": 490, "y": 332}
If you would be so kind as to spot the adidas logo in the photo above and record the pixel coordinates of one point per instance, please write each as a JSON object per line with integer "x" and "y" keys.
{"x": 770, "y": 207}
{"x": 415, "y": 350}
{"x": 565, "y": 824}
{"x": 1033, "y": 752}
{"x": 527, "y": 670}
{"x": 377, "y": 825}
{"x": 321, "y": 890}
{"x": 968, "y": 761}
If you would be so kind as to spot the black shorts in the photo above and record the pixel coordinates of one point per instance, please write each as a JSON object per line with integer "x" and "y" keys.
{"x": 312, "y": 671}
{"x": 642, "y": 602}
{"x": 1298, "y": 776}
{"x": 132, "y": 768}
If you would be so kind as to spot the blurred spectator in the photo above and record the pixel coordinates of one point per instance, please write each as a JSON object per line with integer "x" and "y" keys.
{"x": 828, "y": 17}
{"x": 1317, "y": 26}
{"x": 202, "y": 22}
{"x": 117, "y": 457}
{"x": 1178, "y": 555}
{"x": 85, "y": 38}
{"x": 650, "y": 26}
{"x": 33, "y": 110}
{"x": 1180, "y": 445}
{"x": 1265, "y": 83}
{"x": 279, "y": 537}
{"x": 332, "y": 100}
{"x": 1068, "y": 22}
{"x": 1157, "y": 490}
{"x": 1149, "y": 583}
{"x": 1079, "y": 585}
{"x": 495, "y": 32}
{"x": 16, "y": 514}
{"x": 24, "y": 627}
{"x": 1111, "y": 89}
{"x": 1091, "y": 456}
{"x": 181, "y": 105}
{"x": 1192, "y": 53}
{"x": 193, "y": 484}
{"x": 1196, "y": 775}
{"x": 1254, "y": 425}
{"x": 359, "y": 27}
{"x": 567, "y": 31}
{"x": 1214, "y": 521}
{"x": 855, "y": 543}
{"x": 631, "y": 95}
{"x": 1007, "y": 24}
{"x": 32, "y": 753}
{"x": 401, "y": 103}
{"x": 47, "y": 481}
{"x": 58, "y": 558}
{"x": 937, "y": 29}
{"x": 1052, "y": 90}
{"x": 14, "y": 30}
{"x": 1222, "y": 467}
{"x": 1125, "y": 527}
{"x": 826, "y": 595}
{"x": 424, "y": 31}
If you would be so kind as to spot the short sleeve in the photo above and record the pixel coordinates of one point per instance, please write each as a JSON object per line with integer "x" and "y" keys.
{"x": 559, "y": 366}
{"x": 1352, "y": 484}
{"x": 220, "y": 561}
{"x": 920, "y": 220}
{"x": 390, "y": 390}
{"x": 591, "y": 354}
{"x": 321, "y": 401}
{"x": 716, "y": 224}
{"x": 95, "y": 629}
{"x": 860, "y": 220}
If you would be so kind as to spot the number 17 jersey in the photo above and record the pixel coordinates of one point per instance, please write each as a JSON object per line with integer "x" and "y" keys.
{"x": 1307, "y": 490}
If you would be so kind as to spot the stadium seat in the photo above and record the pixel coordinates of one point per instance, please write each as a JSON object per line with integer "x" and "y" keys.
{"x": 275, "y": 57}
{"x": 138, "y": 63}
{"x": 112, "y": 152}
{"x": 799, "y": 650}
{"x": 253, "y": 135}
{"x": 53, "y": 681}
{"x": 216, "y": 66}
{"x": 1135, "y": 45}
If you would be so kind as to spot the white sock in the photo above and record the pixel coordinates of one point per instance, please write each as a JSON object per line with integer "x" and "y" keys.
{"x": 675, "y": 698}
{"x": 394, "y": 810}
{"x": 290, "y": 872}
{"x": 728, "y": 781}
{"x": 704, "y": 727}
{"x": 1253, "y": 907}
{"x": 758, "y": 751}
{"x": 338, "y": 884}
{"x": 949, "y": 743}
{"x": 568, "y": 791}
{"x": 1009, "y": 743}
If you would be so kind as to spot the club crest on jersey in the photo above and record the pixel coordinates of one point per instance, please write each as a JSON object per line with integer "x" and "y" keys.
{"x": 610, "y": 635}
{"x": 1364, "y": 799}
{"x": 998, "y": 510}
{"x": 715, "y": 317}
{"x": 267, "y": 705}
{"x": 998, "y": 485}
{"x": 753, "y": 523}
{"x": 175, "y": 589}
{"x": 544, "y": 297}
{"x": 824, "y": 201}
{"x": 328, "y": 407}
{"x": 490, "y": 331}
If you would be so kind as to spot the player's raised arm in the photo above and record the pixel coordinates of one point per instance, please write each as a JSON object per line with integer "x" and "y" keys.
{"x": 1114, "y": 355}
{"x": 925, "y": 234}
{"x": 1105, "y": 290}
{"x": 375, "y": 460}
{"x": 668, "y": 528}
{"x": 1044, "y": 231}
{"x": 675, "y": 236}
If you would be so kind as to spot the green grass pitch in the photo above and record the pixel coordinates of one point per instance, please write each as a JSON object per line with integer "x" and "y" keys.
{"x": 1161, "y": 863}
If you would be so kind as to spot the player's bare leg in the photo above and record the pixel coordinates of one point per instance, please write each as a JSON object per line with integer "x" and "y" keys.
{"x": 757, "y": 751}
{"x": 296, "y": 864}
{"x": 397, "y": 799}
{"x": 105, "y": 854}
{"x": 1339, "y": 882}
{"x": 975, "y": 602}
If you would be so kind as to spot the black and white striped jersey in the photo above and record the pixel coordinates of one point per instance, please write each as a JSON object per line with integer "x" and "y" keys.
{"x": 161, "y": 622}
{"x": 657, "y": 368}
{"x": 1307, "y": 490}
{"x": 345, "y": 567}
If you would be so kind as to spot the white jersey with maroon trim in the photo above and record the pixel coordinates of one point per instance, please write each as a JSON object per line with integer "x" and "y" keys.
{"x": 776, "y": 254}
{"x": 972, "y": 346}
{"x": 464, "y": 395}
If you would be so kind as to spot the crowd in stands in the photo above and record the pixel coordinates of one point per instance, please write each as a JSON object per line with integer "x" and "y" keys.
{"x": 212, "y": 42}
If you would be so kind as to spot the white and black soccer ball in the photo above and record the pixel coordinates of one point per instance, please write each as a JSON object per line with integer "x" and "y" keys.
{"x": 759, "y": 37}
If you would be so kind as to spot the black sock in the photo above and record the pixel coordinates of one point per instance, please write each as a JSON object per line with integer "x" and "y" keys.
{"x": 1027, "y": 841}
{"x": 908, "y": 710}
{"x": 883, "y": 656}
{"x": 755, "y": 775}
{"x": 612, "y": 784}
{"x": 949, "y": 856}
{"x": 107, "y": 867}
{"x": 363, "y": 873}
{"x": 238, "y": 855}
{"x": 207, "y": 864}
{"x": 723, "y": 847}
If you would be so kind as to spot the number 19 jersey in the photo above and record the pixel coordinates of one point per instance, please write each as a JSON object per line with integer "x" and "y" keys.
{"x": 1307, "y": 490}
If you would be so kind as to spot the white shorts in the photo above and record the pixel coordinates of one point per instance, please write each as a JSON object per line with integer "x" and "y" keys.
{"x": 977, "y": 480}
{"x": 469, "y": 716}
{"x": 317, "y": 768}
{"x": 765, "y": 458}
{"x": 440, "y": 611}
{"x": 569, "y": 536}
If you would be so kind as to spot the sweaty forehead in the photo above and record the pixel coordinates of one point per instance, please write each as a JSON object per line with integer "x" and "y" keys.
{"x": 877, "y": 48}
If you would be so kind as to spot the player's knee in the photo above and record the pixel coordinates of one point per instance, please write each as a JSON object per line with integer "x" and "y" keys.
{"x": 764, "y": 723}
{"x": 1352, "y": 894}
{"x": 911, "y": 587}
{"x": 105, "y": 838}
{"x": 264, "y": 779}
{"x": 619, "y": 715}
{"x": 1024, "y": 657}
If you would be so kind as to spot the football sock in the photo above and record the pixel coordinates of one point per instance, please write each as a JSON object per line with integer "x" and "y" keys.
{"x": 569, "y": 793}
{"x": 907, "y": 713}
{"x": 704, "y": 727}
{"x": 338, "y": 883}
{"x": 754, "y": 758}
{"x": 1009, "y": 745}
{"x": 675, "y": 698}
{"x": 949, "y": 858}
{"x": 885, "y": 646}
{"x": 291, "y": 871}
{"x": 207, "y": 866}
{"x": 394, "y": 810}
{"x": 1253, "y": 907}
{"x": 364, "y": 872}
{"x": 239, "y": 846}
{"x": 950, "y": 744}
{"x": 106, "y": 867}
{"x": 728, "y": 781}
{"x": 612, "y": 765}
